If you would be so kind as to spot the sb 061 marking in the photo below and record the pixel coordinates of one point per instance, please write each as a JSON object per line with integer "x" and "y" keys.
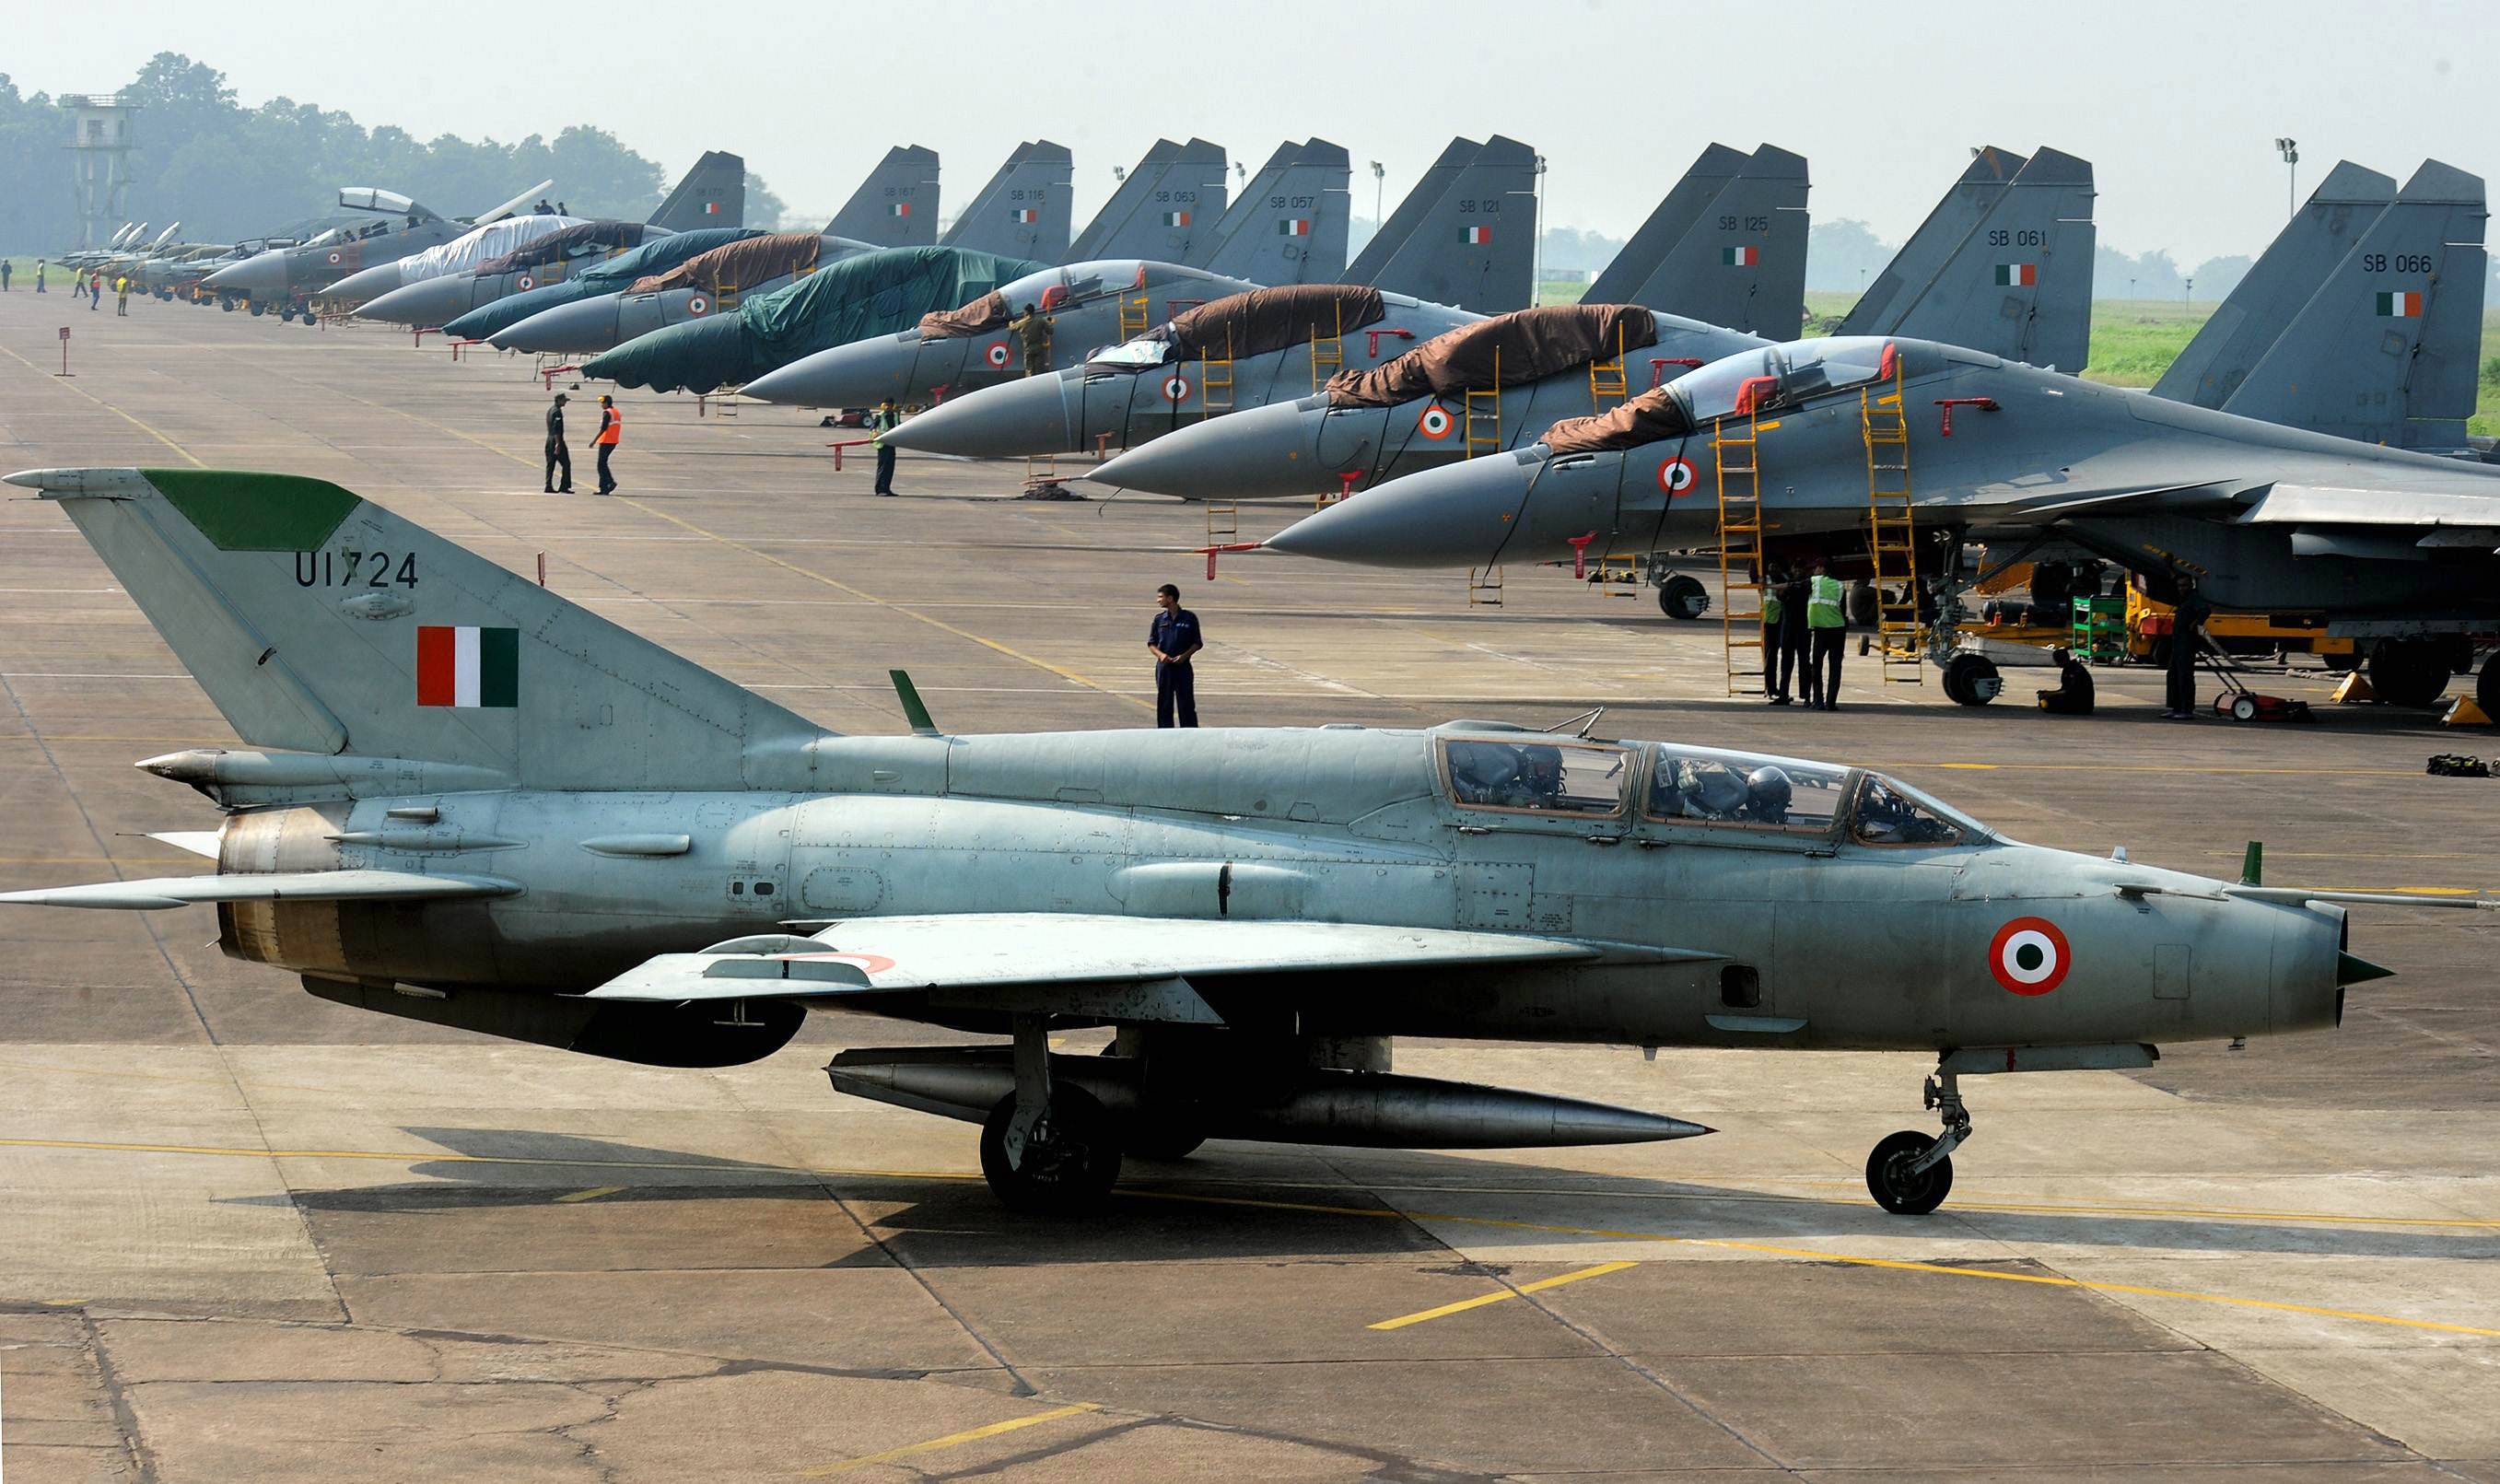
{"x": 354, "y": 569}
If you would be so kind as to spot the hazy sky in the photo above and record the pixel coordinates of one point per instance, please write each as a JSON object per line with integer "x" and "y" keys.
{"x": 2177, "y": 105}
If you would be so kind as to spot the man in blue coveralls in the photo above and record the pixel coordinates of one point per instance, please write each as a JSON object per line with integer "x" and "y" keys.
{"x": 1173, "y": 637}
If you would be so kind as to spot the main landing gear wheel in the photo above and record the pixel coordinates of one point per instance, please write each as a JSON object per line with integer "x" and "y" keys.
{"x": 1066, "y": 1163}
{"x": 2409, "y": 672}
{"x": 1910, "y": 1174}
{"x": 1892, "y": 1182}
{"x": 1971, "y": 679}
{"x": 1683, "y": 597}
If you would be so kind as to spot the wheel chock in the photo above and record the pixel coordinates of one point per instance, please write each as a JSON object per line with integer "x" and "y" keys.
{"x": 2356, "y": 691}
{"x": 2463, "y": 713}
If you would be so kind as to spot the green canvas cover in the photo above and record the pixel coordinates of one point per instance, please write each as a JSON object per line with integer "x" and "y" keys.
{"x": 874, "y": 293}
{"x": 610, "y": 276}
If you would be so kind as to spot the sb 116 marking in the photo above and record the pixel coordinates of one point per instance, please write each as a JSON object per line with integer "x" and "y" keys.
{"x": 354, "y": 569}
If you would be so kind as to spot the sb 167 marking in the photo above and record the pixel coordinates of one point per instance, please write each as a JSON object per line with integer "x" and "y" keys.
{"x": 354, "y": 569}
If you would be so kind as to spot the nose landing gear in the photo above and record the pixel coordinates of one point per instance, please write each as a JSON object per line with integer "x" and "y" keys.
{"x": 1910, "y": 1174}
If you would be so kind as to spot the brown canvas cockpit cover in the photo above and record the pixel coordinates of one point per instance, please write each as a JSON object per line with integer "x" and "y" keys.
{"x": 741, "y": 264}
{"x": 1264, "y": 319}
{"x": 1502, "y": 352}
{"x": 556, "y": 246}
{"x": 986, "y": 313}
{"x": 1647, "y": 418}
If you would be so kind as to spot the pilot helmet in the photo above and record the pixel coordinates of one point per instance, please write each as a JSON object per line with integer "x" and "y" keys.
{"x": 1767, "y": 792}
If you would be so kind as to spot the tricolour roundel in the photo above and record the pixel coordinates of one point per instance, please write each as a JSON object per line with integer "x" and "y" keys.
{"x": 2029, "y": 956}
{"x": 526, "y": 281}
{"x": 1675, "y": 475}
{"x": 1176, "y": 389}
{"x": 334, "y": 259}
{"x": 697, "y": 305}
{"x": 1435, "y": 423}
{"x": 997, "y": 354}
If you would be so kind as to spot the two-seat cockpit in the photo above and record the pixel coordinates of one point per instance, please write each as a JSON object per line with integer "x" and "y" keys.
{"x": 1670, "y": 784}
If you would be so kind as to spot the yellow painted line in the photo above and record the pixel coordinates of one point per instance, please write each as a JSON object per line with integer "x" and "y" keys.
{"x": 592, "y": 1194}
{"x": 951, "y": 1440}
{"x": 1481, "y": 1300}
{"x": 72, "y": 386}
{"x": 2045, "y": 1280}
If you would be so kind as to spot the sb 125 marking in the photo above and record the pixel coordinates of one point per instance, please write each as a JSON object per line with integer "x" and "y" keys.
{"x": 354, "y": 569}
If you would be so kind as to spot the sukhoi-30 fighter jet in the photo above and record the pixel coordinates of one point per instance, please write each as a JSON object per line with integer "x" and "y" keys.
{"x": 712, "y": 195}
{"x": 463, "y": 799}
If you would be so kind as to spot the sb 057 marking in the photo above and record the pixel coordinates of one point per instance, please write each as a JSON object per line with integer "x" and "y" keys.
{"x": 353, "y": 569}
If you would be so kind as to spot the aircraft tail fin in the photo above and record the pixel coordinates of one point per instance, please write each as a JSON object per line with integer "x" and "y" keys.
{"x": 1288, "y": 223}
{"x": 1023, "y": 212}
{"x": 897, "y": 205}
{"x": 2020, "y": 284}
{"x": 713, "y": 194}
{"x": 1472, "y": 243}
{"x": 1621, "y": 280}
{"x": 1742, "y": 267}
{"x": 1163, "y": 208}
{"x": 320, "y": 622}
{"x": 1983, "y": 180}
{"x": 2386, "y": 352}
{"x": 2293, "y": 267}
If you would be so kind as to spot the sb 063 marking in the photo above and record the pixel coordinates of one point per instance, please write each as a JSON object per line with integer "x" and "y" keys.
{"x": 354, "y": 569}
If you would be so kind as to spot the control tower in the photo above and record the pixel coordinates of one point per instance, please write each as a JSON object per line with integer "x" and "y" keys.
{"x": 100, "y": 146}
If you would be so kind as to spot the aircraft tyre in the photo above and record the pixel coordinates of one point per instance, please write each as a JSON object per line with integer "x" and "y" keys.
{"x": 259, "y": 308}
{"x": 1972, "y": 679}
{"x": 225, "y": 304}
{"x": 1069, "y": 1168}
{"x": 1894, "y": 1188}
{"x": 2409, "y": 672}
{"x": 1683, "y": 597}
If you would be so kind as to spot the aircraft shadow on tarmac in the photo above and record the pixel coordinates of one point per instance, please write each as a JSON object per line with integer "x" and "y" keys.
{"x": 1212, "y": 1206}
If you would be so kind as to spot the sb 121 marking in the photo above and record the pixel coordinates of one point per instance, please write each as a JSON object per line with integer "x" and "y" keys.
{"x": 354, "y": 569}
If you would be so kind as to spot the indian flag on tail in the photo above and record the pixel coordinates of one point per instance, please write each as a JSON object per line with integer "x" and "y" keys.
{"x": 2403, "y": 304}
{"x": 1741, "y": 257}
{"x": 898, "y": 209}
{"x": 1175, "y": 219}
{"x": 468, "y": 667}
{"x": 1297, "y": 226}
{"x": 2018, "y": 274}
{"x": 1025, "y": 213}
{"x": 712, "y": 208}
{"x": 1478, "y": 235}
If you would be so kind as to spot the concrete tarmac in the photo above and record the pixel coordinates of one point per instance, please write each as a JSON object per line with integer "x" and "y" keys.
{"x": 250, "y": 1235}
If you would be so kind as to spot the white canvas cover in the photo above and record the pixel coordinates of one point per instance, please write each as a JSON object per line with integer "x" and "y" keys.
{"x": 476, "y": 244}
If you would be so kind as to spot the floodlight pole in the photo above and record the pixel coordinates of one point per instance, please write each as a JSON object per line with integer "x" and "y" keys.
{"x": 1536, "y": 248}
{"x": 2290, "y": 149}
{"x": 1378, "y": 175}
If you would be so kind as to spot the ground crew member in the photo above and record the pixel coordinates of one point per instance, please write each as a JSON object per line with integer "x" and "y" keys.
{"x": 2186, "y": 635}
{"x": 612, "y": 431}
{"x": 121, "y": 296}
{"x": 39, "y": 275}
{"x": 557, "y": 454}
{"x": 1866, "y": 610}
{"x": 2073, "y": 696}
{"x": 1794, "y": 644}
{"x": 1831, "y": 626}
{"x": 1033, "y": 328}
{"x": 5, "y": 271}
{"x": 96, "y": 292}
{"x": 1774, "y": 684}
{"x": 1173, "y": 637}
{"x": 884, "y": 419}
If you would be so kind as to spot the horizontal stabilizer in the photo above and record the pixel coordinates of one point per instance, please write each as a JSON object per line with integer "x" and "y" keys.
{"x": 158, "y": 892}
{"x": 997, "y": 950}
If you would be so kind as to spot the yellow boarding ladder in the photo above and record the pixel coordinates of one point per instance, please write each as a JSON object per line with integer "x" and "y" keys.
{"x": 1328, "y": 351}
{"x": 1606, "y": 378}
{"x": 1483, "y": 414}
{"x": 1214, "y": 376}
{"x": 1223, "y": 524}
{"x": 1892, "y": 536}
{"x": 1134, "y": 321}
{"x": 1735, "y": 450}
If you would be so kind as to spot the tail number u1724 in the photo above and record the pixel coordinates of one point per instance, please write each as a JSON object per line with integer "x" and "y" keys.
{"x": 354, "y": 569}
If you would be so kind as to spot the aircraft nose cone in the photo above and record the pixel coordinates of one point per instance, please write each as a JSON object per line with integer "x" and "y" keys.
{"x": 1010, "y": 422}
{"x": 1259, "y": 453}
{"x": 579, "y": 328}
{"x": 433, "y": 302}
{"x": 364, "y": 283}
{"x": 263, "y": 274}
{"x": 863, "y": 374}
{"x": 1454, "y": 516}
